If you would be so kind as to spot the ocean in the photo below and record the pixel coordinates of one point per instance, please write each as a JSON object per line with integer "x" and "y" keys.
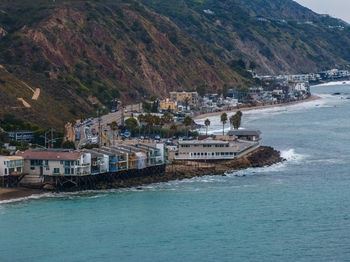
{"x": 298, "y": 210}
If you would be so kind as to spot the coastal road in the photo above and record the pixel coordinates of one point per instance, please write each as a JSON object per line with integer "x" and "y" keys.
{"x": 105, "y": 120}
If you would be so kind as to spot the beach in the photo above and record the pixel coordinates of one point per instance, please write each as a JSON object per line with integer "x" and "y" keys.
{"x": 311, "y": 98}
{"x": 18, "y": 192}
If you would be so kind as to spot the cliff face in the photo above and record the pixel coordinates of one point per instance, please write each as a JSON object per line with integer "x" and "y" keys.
{"x": 82, "y": 54}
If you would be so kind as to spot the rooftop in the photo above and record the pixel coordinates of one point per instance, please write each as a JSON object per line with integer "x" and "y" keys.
{"x": 49, "y": 154}
{"x": 12, "y": 157}
{"x": 243, "y": 132}
{"x": 204, "y": 141}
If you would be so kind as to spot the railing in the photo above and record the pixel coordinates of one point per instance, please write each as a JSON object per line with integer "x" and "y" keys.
{"x": 204, "y": 157}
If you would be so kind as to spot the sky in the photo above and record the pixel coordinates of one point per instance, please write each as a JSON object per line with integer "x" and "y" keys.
{"x": 335, "y": 8}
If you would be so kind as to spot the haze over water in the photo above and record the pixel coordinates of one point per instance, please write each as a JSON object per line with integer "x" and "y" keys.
{"x": 295, "y": 211}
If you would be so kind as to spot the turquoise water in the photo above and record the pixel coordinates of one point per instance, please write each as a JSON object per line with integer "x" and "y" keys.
{"x": 295, "y": 211}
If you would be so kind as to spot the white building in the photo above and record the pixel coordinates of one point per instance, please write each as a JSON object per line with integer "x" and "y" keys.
{"x": 50, "y": 162}
{"x": 10, "y": 165}
{"x": 213, "y": 149}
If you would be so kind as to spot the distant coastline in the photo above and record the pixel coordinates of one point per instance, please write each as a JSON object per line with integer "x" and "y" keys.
{"x": 248, "y": 108}
{"x": 333, "y": 83}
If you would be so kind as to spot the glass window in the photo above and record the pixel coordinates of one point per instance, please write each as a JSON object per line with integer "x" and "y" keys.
{"x": 5, "y": 171}
{"x": 72, "y": 171}
{"x": 56, "y": 170}
{"x": 32, "y": 162}
{"x": 67, "y": 171}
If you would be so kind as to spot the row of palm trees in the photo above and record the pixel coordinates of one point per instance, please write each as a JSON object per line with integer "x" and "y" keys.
{"x": 235, "y": 121}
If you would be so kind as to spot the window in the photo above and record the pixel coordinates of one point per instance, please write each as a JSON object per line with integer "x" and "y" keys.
{"x": 5, "y": 171}
{"x": 47, "y": 168}
{"x": 56, "y": 170}
{"x": 67, "y": 171}
{"x": 72, "y": 171}
{"x": 32, "y": 163}
{"x": 46, "y": 162}
{"x": 61, "y": 162}
{"x": 32, "y": 168}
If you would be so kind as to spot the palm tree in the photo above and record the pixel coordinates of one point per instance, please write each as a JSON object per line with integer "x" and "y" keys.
{"x": 235, "y": 120}
{"x": 114, "y": 127}
{"x": 207, "y": 124}
{"x": 188, "y": 121}
{"x": 223, "y": 121}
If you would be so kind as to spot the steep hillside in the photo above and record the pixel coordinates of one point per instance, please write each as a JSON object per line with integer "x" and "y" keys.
{"x": 254, "y": 30}
{"x": 82, "y": 54}
{"x": 79, "y": 55}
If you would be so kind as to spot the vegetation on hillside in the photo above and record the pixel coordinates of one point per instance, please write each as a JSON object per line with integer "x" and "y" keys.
{"x": 84, "y": 54}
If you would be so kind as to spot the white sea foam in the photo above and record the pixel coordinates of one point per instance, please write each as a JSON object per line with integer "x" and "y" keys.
{"x": 31, "y": 197}
{"x": 335, "y": 83}
{"x": 291, "y": 156}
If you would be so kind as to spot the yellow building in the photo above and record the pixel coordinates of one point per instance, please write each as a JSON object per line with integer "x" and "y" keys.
{"x": 185, "y": 98}
{"x": 167, "y": 104}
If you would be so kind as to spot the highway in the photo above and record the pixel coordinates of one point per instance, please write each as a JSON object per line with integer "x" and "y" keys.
{"x": 105, "y": 119}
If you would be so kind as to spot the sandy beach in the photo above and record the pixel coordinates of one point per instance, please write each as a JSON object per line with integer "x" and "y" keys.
{"x": 19, "y": 192}
{"x": 311, "y": 98}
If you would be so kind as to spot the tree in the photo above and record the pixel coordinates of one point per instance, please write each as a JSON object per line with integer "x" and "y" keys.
{"x": 68, "y": 145}
{"x": 114, "y": 127}
{"x": 188, "y": 121}
{"x": 207, "y": 124}
{"x": 223, "y": 121}
{"x": 235, "y": 120}
{"x": 131, "y": 123}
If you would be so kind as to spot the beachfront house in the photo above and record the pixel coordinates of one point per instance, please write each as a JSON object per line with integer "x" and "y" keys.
{"x": 10, "y": 165}
{"x": 53, "y": 162}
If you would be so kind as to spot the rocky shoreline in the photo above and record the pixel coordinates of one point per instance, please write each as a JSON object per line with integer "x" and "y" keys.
{"x": 178, "y": 170}
{"x": 262, "y": 156}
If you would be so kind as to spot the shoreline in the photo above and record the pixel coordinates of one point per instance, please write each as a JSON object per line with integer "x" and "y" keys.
{"x": 179, "y": 170}
{"x": 18, "y": 193}
{"x": 247, "y": 108}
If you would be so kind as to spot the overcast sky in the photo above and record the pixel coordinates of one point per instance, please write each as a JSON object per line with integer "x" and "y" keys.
{"x": 335, "y": 8}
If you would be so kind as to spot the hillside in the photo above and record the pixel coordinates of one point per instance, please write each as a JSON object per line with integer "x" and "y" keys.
{"x": 79, "y": 55}
{"x": 82, "y": 54}
{"x": 280, "y": 36}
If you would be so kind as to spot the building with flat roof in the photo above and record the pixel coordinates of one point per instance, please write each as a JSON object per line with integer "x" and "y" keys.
{"x": 185, "y": 98}
{"x": 21, "y": 135}
{"x": 213, "y": 149}
{"x": 167, "y": 105}
{"x": 243, "y": 134}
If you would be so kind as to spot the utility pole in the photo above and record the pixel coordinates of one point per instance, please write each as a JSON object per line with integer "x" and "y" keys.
{"x": 122, "y": 119}
{"x": 51, "y": 138}
{"x": 99, "y": 129}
